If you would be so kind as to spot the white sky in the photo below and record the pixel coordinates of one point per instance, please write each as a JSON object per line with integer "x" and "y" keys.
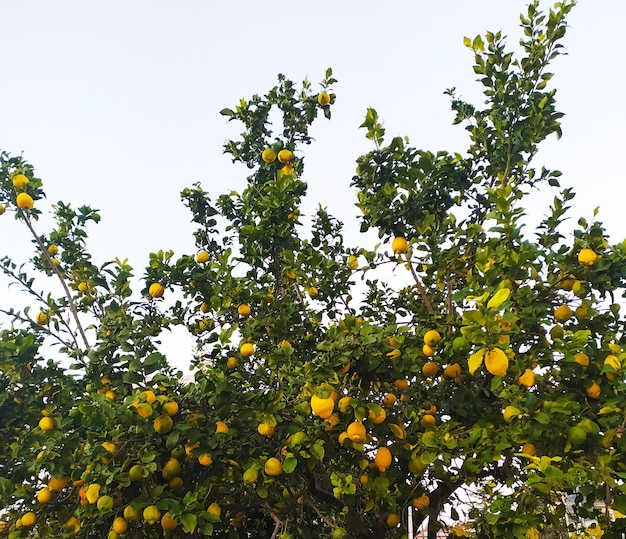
{"x": 116, "y": 103}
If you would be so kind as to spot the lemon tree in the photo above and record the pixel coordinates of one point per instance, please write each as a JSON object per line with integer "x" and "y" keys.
{"x": 480, "y": 382}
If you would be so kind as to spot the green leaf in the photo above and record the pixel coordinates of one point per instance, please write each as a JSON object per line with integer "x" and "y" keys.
{"x": 189, "y": 522}
{"x": 499, "y": 298}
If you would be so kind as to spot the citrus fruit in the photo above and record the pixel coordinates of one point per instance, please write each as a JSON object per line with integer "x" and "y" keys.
{"x": 392, "y": 520}
{"x": 416, "y": 466}
{"x": 231, "y": 362}
{"x": 42, "y": 318}
{"x": 399, "y": 245}
{"x": 313, "y": 292}
{"x": 273, "y": 467}
{"x": 428, "y": 421}
{"x": 214, "y": 509}
{"x": 119, "y": 525}
{"x": 250, "y": 475}
{"x": 149, "y": 396}
{"x": 432, "y": 338}
{"x": 428, "y": 350}
{"x": 156, "y": 290}
{"x": 144, "y": 410}
{"x": 613, "y": 361}
{"x": 136, "y": 472}
{"x": 421, "y": 502}
{"x": 344, "y": 404}
{"x": 265, "y": 429}
{"x": 576, "y": 435}
{"x": 377, "y": 417}
{"x": 382, "y": 460}
{"x": 247, "y": 349}
{"x": 170, "y": 408}
{"x": 244, "y": 310}
{"x": 401, "y": 384}
{"x": 593, "y": 391}
{"x": 496, "y": 362}
{"x": 202, "y": 257}
{"x": 171, "y": 469}
{"x": 24, "y": 201}
{"x": 105, "y": 503}
{"x": 430, "y": 369}
{"x": 587, "y": 257}
{"x": 44, "y": 495}
{"x": 563, "y": 313}
{"x": 323, "y": 98}
{"x": 163, "y": 424}
{"x": 151, "y": 514}
{"x": 284, "y": 156}
{"x": 131, "y": 514}
{"x": 57, "y": 484}
{"x": 220, "y": 426}
{"x": 1, "y": 209}
{"x": 29, "y": 519}
{"x": 452, "y": 371}
{"x": 167, "y": 522}
{"x": 356, "y": 431}
{"x": 83, "y": 287}
{"x": 510, "y": 412}
{"x": 19, "y": 181}
{"x": 528, "y": 378}
{"x": 529, "y": 449}
{"x": 92, "y": 493}
{"x": 268, "y": 155}
{"x": 353, "y": 262}
{"x": 205, "y": 459}
{"x": 389, "y": 400}
{"x": 322, "y": 407}
{"x": 53, "y": 249}
{"x": 46, "y": 423}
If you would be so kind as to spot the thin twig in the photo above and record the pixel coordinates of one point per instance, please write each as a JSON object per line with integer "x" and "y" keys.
{"x": 296, "y": 287}
{"x": 420, "y": 287}
{"x": 58, "y": 273}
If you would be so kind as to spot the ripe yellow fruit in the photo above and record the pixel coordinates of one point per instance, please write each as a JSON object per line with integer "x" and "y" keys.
{"x": 72, "y": 525}
{"x": 510, "y": 412}
{"x": 587, "y": 257}
{"x": 220, "y": 426}
{"x": 151, "y": 514}
{"x": 496, "y": 362}
{"x": 29, "y": 519}
{"x": 528, "y": 378}
{"x": 214, "y": 509}
{"x": 264, "y": 429}
{"x": 42, "y": 318}
{"x": 356, "y": 431}
{"x": 582, "y": 359}
{"x": 377, "y": 417}
{"x": 144, "y": 410}
{"x": 452, "y": 371}
{"x": 392, "y": 520}
{"x": 382, "y": 460}
{"x": 136, "y": 472}
{"x": 170, "y": 408}
{"x": 428, "y": 421}
{"x": 273, "y": 467}
{"x": 399, "y": 245}
{"x": 353, "y": 262}
{"x": 205, "y": 459}
{"x": 163, "y": 424}
{"x": 131, "y": 514}
{"x": 247, "y": 349}
{"x": 389, "y": 400}
{"x": 24, "y": 201}
{"x": 171, "y": 469}
{"x": 244, "y": 310}
{"x": 563, "y": 313}
{"x": 285, "y": 156}
{"x": 105, "y": 503}
{"x": 432, "y": 338}
{"x": 323, "y": 98}
{"x": 53, "y": 249}
{"x": 613, "y": 361}
{"x": 422, "y": 502}
{"x": 593, "y": 391}
{"x": 156, "y": 290}
{"x": 175, "y": 483}
{"x": 119, "y": 525}
{"x": 149, "y": 396}
{"x": 529, "y": 449}
{"x": 231, "y": 362}
{"x": 83, "y": 287}
{"x": 46, "y": 424}
{"x": 92, "y": 493}
{"x": 202, "y": 257}
{"x": 268, "y": 155}
{"x": 250, "y": 475}
{"x": 1, "y": 209}
{"x": 322, "y": 407}
{"x": 416, "y": 466}
{"x": 57, "y": 484}
{"x": 401, "y": 384}
{"x": 428, "y": 350}
{"x": 168, "y": 523}
{"x": 313, "y": 292}
{"x": 19, "y": 181}
{"x": 430, "y": 369}
{"x": 44, "y": 495}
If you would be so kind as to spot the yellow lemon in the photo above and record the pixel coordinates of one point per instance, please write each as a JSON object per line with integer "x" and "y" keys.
{"x": 231, "y": 362}
{"x": 432, "y": 338}
{"x": 264, "y": 429}
{"x": 528, "y": 378}
{"x": 382, "y": 460}
{"x": 46, "y": 423}
{"x": 563, "y": 313}
{"x": 529, "y": 449}
{"x": 136, "y": 472}
{"x": 322, "y": 407}
{"x": 587, "y": 257}
{"x": 399, "y": 245}
{"x": 452, "y": 371}
{"x": 353, "y": 262}
{"x": 285, "y": 156}
{"x": 421, "y": 502}
{"x": 323, "y": 98}
{"x": 428, "y": 421}
{"x": 29, "y": 519}
{"x": 105, "y": 503}
{"x": 202, "y": 257}
{"x": 593, "y": 391}
{"x": 44, "y": 495}
{"x": 251, "y": 475}
{"x": 377, "y": 417}
{"x": 401, "y": 384}
{"x": 356, "y": 431}
{"x": 131, "y": 514}
{"x": 156, "y": 290}
{"x": 214, "y": 509}
{"x": 582, "y": 359}
{"x": 392, "y": 520}
{"x": 24, "y": 201}
{"x": 151, "y": 514}
{"x": 92, "y": 493}
{"x": 389, "y": 400}
{"x": 171, "y": 469}
{"x": 149, "y": 396}
{"x": 247, "y": 349}
{"x": 220, "y": 426}
{"x": 56, "y": 484}
{"x": 163, "y": 424}
{"x": 313, "y": 292}
{"x": 168, "y": 523}
{"x": 205, "y": 459}
{"x": 430, "y": 369}
{"x": 19, "y": 181}
{"x": 268, "y": 155}
{"x": 170, "y": 408}
{"x": 496, "y": 362}
{"x": 144, "y": 410}
{"x": 119, "y": 525}
{"x": 273, "y": 467}
{"x": 244, "y": 310}
{"x": 510, "y": 412}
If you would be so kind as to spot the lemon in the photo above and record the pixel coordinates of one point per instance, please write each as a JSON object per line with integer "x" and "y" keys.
{"x": 144, "y": 410}
{"x": 285, "y": 156}
{"x": 422, "y": 502}
{"x": 151, "y": 514}
{"x": 563, "y": 313}
{"x": 92, "y": 493}
{"x": 432, "y": 338}
{"x": 576, "y": 435}
{"x": 163, "y": 424}
{"x": 265, "y": 429}
{"x": 399, "y": 245}
{"x": 247, "y": 349}
{"x": 382, "y": 460}
{"x": 529, "y": 449}
{"x": 205, "y": 459}
{"x": 171, "y": 469}
{"x": 428, "y": 350}
{"x": 136, "y": 472}
{"x": 215, "y": 509}
{"x": 57, "y": 484}
{"x": 202, "y": 257}
{"x": 131, "y": 514}
{"x": 613, "y": 361}
{"x": 392, "y": 520}
{"x": 29, "y": 519}
{"x": 428, "y": 421}
{"x": 167, "y": 522}
{"x": 593, "y": 391}
{"x": 46, "y": 424}
{"x": 24, "y": 201}
{"x": 268, "y": 155}
{"x": 528, "y": 378}
{"x": 452, "y": 371}
{"x": 322, "y": 407}
{"x": 353, "y": 262}
{"x": 119, "y": 525}
{"x": 273, "y": 467}
{"x": 44, "y": 495}
{"x": 231, "y": 362}
{"x": 220, "y": 426}
{"x": 244, "y": 310}
{"x": 587, "y": 257}
{"x": 323, "y": 98}
{"x": 250, "y": 475}
{"x": 53, "y": 249}
{"x": 170, "y": 408}
{"x": 19, "y": 181}
{"x": 377, "y": 417}
{"x": 156, "y": 290}
{"x": 105, "y": 503}
{"x": 356, "y": 431}
{"x": 430, "y": 369}
{"x": 313, "y": 292}
{"x": 496, "y": 362}
{"x": 149, "y": 396}
{"x": 1, "y": 209}
{"x": 510, "y": 412}
{"x": 416, "y": 466}
{"x": 389, "y": 400}
{"x": 42, "y": 318}
{"x": 401, "y": 384}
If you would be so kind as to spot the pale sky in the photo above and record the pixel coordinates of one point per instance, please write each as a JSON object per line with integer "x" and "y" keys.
{"x": 117, "y": 103}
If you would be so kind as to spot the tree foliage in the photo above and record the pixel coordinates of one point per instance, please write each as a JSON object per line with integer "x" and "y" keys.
{"x": 464, "y": 367}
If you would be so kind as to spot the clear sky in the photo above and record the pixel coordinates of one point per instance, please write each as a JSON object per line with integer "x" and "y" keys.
{"x": 116, "y": 103}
